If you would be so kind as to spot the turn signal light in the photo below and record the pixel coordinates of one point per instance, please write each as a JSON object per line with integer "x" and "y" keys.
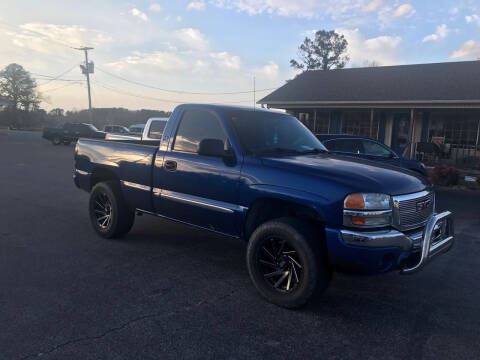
{"x": 358, "y": 221}
{"x": 354, "y": 201}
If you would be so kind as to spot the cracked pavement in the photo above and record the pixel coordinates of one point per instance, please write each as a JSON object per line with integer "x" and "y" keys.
{"x": 168, "y": 291}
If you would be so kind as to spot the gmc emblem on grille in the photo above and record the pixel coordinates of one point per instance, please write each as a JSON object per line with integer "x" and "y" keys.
{"x": 422, "y": 205}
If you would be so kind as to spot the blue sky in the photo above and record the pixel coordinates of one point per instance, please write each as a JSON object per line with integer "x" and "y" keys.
{"x": 207, "y": 46}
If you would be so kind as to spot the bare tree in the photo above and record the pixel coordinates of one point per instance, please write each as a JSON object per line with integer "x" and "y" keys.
{"x": 18, "y": 88}
{"x": 326, "y": 51}
{"x": 371, "y": 63}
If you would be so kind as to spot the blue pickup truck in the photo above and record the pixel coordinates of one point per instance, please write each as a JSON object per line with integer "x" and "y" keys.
{"x": 263, "y": 177}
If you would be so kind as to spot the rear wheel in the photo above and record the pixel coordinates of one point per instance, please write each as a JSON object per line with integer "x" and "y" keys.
{"x": 109, "y": 213}
{"x": 285, "y": 262}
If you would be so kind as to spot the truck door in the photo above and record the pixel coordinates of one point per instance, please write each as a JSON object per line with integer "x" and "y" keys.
{"x": 198, "y": 189}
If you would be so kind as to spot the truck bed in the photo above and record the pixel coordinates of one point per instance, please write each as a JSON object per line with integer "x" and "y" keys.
{"x": 131, "y": 162}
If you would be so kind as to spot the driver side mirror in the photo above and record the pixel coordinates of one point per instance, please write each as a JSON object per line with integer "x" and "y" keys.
{"x": 212, "y": 147}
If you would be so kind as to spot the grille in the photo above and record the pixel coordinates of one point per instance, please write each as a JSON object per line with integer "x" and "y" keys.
{"x": 413, "y": 210}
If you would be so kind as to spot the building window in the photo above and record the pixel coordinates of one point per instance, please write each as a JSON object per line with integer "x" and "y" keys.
{"x": 359, "y": 123}
{"x": 455, "y": 129}
{"x": 322, "y": 122}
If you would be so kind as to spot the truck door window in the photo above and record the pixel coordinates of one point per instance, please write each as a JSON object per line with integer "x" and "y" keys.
{"x": 194, "y": 127}
{"x": 156, "y": 129}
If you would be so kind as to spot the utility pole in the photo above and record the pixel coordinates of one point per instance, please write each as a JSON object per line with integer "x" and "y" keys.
{"x": 253, "y": 92}
{"x": 86, "y": 70}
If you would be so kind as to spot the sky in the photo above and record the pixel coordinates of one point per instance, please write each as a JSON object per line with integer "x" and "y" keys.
{"x": 156, "y": 54}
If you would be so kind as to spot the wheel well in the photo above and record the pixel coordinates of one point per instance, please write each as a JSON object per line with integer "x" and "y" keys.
{"x": 267, "y": 209}
{"x": 100, "y": 175}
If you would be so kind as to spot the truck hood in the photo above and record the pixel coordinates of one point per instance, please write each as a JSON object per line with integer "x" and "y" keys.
{"x": 359, "y": 175}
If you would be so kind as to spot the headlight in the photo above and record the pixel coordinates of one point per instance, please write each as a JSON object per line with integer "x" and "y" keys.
{"x": 367, "y": 210}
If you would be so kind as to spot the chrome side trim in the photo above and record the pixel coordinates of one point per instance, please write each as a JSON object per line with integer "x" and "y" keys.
{"x": 135, "y": 185}
{"x": 202, "y": 202}
{"x": 156, "y": 191}
{"x": 431, "y": 246}
{"x": 81, "y": 172}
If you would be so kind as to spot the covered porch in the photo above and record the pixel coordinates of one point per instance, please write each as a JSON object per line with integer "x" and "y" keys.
{"x": 433, "y": 135}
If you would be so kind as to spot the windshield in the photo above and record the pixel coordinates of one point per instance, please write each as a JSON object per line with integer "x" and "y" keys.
{"x": 273, "y": 134}
{"x": 92, "y": 127}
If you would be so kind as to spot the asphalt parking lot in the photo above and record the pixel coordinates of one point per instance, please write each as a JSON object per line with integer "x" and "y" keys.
{"x": 167, "y": 291}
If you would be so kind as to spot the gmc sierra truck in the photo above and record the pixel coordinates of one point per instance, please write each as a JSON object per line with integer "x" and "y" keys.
{"x": 263, "y": 177}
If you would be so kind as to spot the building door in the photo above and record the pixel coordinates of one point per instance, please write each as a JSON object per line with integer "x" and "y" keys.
{"x": 401, "y": 132}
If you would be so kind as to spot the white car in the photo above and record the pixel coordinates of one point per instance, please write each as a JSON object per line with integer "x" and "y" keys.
{"x": 153, "y": 131}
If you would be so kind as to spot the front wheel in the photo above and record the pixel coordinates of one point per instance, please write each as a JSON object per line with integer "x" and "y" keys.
{"x": 56, "y": 140}
{"x": 109, "y": 213}
{"x": 285, "y": 262}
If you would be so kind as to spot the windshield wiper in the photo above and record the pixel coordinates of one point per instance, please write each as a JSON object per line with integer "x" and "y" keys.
{"x": 279, "y": 151}
{"x": 313, "y": 151}
{"x": 285, "y": 151}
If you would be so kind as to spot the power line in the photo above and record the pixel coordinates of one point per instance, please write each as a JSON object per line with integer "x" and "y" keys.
{"x": 181, "y": 91}
{"x": 154, "y": 98}
{"x": 49, "y": 77}
{"x": 59, "y": 76}
{"x": 63, "y": 86}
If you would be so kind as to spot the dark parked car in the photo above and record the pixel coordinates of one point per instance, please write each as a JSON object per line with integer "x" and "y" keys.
{"x": 264, "y": 177}
{"x": 370, "y": 149}
{"x": 116, "y": 129}
{"x": 72, "y": 132}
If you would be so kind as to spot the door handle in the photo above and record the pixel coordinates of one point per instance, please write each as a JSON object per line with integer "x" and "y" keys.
{"x": 170, "y": 165}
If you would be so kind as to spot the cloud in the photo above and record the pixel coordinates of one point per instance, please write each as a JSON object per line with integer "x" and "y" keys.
{"x": 440, "y": 33}
{"x": 473, "y": 19}
{"x": 404, "y": 10}
{"x": 469, "y": 50}
{"x": 155, "y": 7}
{"x": 137, "y": 13}
{"x": 192, "y": 38}
{"x": 297, "y": 8}
{"x": 161, "y": 60}
{"x": 383, "y": 50}
{"x": 269, "y": 71}
{"x": 373, "y": 5}
{"x": 226, "y": 60}
{"x": 196, "y": 5}
{"x": 48, "y": 38}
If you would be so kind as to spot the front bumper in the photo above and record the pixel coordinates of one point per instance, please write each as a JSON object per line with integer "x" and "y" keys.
{"x": 435, "y": 238}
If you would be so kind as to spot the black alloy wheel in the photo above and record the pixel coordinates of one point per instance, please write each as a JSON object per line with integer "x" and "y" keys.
{"x": 102, "y": 209}
{"x": 110, "y": 215}
{"x": 287, "y": 262}
{"x": 280, "y": 265}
